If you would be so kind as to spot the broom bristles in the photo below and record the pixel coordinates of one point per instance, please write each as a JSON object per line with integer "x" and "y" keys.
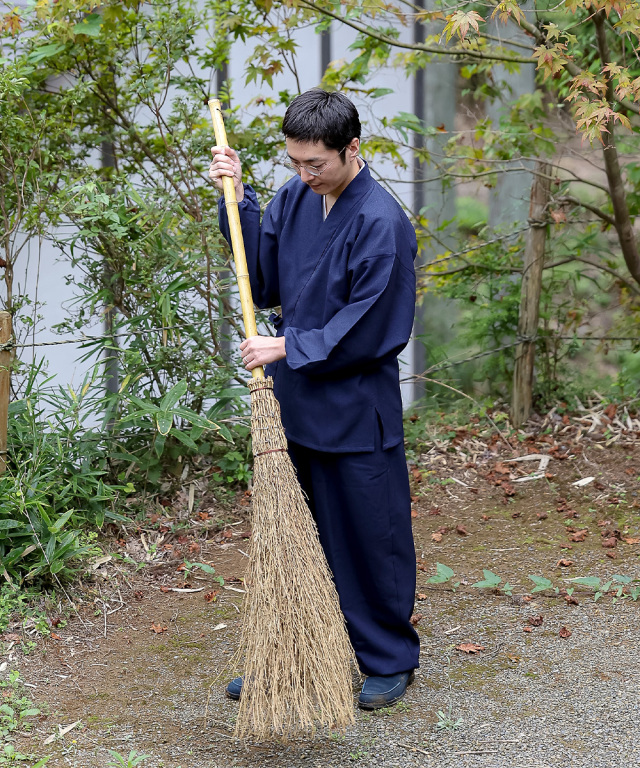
{"x": 297, "y": 654}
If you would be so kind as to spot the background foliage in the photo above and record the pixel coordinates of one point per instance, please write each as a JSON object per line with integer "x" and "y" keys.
{"x": 104, "y": 143}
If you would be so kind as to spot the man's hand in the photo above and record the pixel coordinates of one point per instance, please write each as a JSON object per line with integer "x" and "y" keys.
{"x": 226, "y": 163}
{"x": 262, "y": 350}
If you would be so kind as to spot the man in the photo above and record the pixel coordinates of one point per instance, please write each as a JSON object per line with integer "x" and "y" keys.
{"x": 335, "y": 251}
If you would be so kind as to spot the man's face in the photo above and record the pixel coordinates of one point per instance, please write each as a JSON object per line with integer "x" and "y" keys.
{"x": 336, "y": 168}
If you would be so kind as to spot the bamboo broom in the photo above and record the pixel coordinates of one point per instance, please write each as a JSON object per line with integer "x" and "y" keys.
{"x": 297, "y": 654}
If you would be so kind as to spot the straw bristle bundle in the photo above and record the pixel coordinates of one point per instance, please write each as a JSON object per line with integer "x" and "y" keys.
{"x": 297, "y": 654}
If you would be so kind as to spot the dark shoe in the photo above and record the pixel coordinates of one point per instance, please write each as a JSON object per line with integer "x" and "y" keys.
{"x": 384, "y": 690}
{"x": 234, "y": 689}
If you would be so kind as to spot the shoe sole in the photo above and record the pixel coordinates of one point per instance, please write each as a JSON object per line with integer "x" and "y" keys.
{"x": 369, "y": 706}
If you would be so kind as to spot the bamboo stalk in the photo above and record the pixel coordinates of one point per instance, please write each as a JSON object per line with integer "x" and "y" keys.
{"x": 237, "y": 242}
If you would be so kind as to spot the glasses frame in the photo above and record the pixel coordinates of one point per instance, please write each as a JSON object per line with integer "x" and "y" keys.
{"x": 298, "y": 168}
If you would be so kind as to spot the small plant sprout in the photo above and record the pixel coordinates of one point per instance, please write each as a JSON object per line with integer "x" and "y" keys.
{"x": 492, "y": 581}
{"x": 443, "y": 575}
{"x": 132, "y": 760}
{"x": 446, "y": 722}
{"x": 189, "y": 567}
{"x": 601, "y": 587}
{"x": 542, "y": 584}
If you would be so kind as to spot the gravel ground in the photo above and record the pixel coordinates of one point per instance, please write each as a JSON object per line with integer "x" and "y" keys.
{"x": 529, "y": 698}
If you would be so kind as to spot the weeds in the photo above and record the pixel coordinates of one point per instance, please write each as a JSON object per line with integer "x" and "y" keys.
{"x": 622, "y": 587}
{"x": 446, "y": 722}
{"x": 16, "y": 709}
{"x": 132, "y": 760}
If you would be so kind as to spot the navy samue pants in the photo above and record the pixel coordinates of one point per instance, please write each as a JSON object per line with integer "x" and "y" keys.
{"x": 362, "y": 507}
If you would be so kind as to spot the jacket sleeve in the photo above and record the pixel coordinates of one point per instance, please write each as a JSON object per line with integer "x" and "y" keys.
{"x": 374, "y": 324}
{"x": 260, "y": 244}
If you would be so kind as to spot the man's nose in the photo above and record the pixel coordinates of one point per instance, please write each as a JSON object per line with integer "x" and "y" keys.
{"x": 305, "y": 175}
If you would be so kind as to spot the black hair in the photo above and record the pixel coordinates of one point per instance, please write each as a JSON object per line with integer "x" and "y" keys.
{"x": 318, "y": 115}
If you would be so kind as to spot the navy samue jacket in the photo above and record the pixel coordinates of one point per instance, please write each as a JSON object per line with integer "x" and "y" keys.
{"x": 346, "y": 287}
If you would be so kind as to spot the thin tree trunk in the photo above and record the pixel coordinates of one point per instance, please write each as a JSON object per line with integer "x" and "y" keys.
{"x": 6, "y": 357}
{"x": 522, "y": 397}
{"x": 624, "y": 225}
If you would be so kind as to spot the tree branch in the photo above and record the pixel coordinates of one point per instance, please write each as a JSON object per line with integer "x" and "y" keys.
{"x": 594, "y": 209}
{"x": 573, "y": 69}
{"x": 603, "y": 267}
{"x": 624, "y": 225}
{"x": 418, "y": 46}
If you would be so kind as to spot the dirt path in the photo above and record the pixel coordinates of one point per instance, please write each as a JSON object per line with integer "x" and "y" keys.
{"x": 136, "y": 665}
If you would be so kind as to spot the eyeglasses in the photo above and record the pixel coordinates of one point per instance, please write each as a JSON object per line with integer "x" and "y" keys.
{"x": 312, "y": 170}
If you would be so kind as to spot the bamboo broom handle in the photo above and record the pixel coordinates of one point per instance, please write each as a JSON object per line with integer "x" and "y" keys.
{"x": 237, "y": 242}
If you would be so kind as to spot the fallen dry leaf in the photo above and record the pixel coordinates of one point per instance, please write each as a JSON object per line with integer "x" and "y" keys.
{"x": 434, "y": 511}
{"x": 542, "y": 515}
{"x": 527, "y": 629}
{"x": 571, "y": 600}
{"x": 165, "y": 589}
{"x": 414, "y": 513}
{"x": 421, "y": 596}
{"x": 158, "y": 628}
{"x": 579, "y": 535}
{"x": 416, "y": 618}
{"x": 211, "y": 597}
{"x": 611, "y": 554}
{"x": 564, "y": 563}
{"x": 55, "y": 636}
{"x": 461, "y": 530}
{"x": 535, "y": 621}
{"x": 416, "y": 474}
{"x": 436, "y": 537}
{"x": 564, "y": 632}
{"x": 470, "y": 648}
{"x": 630, "y": 540}
{"x": 610, "y": 543}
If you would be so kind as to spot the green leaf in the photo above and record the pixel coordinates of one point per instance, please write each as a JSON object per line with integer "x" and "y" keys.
{"x": 45, "y": 52}
{"x": 57, "y": 566}
{"x": 164, "y": 422}
{"x": 29, "y": 713}
{"x": 204, "y": 567}
{"x": 173, "y": 395}
{"x": 490, "y": 581}
{"x": 442, "y": 575}
{"x": 6, "y": 524}
{"x": 59, "y": 524}
{"x": 90, "y": 25}
{"x": 184, "y": 439}
{"x": 587, "y": 581}
{"x": 541, "y": 583}
{"x": 42, "y": 762}
{"x": 158, "y": 444}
